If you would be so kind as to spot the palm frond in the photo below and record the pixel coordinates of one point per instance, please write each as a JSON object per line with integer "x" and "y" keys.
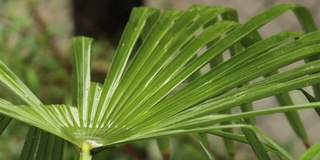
{"x": 148, "y": 96}
{"x": 312, "y": 153}
{"x": 42, "y": 145}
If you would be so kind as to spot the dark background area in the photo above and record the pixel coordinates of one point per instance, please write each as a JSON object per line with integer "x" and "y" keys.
{"x": 102, "y": 19}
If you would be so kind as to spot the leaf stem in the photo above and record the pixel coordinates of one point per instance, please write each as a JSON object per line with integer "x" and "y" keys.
{"x": 85, "y": 151}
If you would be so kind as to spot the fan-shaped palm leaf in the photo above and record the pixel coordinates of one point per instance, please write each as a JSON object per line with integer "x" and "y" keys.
{"x": 147, "y": 97}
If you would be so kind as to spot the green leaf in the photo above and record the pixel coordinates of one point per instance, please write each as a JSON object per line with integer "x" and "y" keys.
{"x": 311, "y": 99}
{"x": 31, "y": 144}
{"x": 308, "y": 25}
{"x": 229, "y": 144}
{"x": 42, "y": 145}
{"x": 312, "y": 153}
{"x": 204, "y": 144}
{"x": 293, "y": 118}
{"x": 239, "y": 138}
{"x": 82, "y": 48}
{"x": 4, "y": 122}
{"x": 148, "y": 97}
{"x": 255, "y": 144}
{"x": 217, "y": 118}
{"x": 127, "y": 42}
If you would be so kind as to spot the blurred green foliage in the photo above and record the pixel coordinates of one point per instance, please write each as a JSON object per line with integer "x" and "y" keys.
{"x": 25, "y": 49}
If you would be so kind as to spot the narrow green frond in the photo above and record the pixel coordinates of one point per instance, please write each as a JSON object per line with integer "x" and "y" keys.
{"x": 272, "y": 143}
{"x": 255, "y": 144}
{"x": 204, "y": 144}
{"x": 25, "y": 114}
{"x": 312, "y": 153}
{"x": 218, "y": 118}
{"x": 284, "y": 99}
{"x": 41, "y": 145}
{"x": 179, "y": 34}
{"x": 4, "y": 122}
{"x": 212, "y": 80}
{"x": 130, "y": 36}
{"x": 152, "y": 40}
{"x": 173, "y": 74}
{"x": 308, "y": 25}
{"x": 11, "y": 81}
{"x": 82, "y": 59}
{"x": 239, "y": 138}
{"x": 31, "y": 144}
{"x": 311, "y": 99}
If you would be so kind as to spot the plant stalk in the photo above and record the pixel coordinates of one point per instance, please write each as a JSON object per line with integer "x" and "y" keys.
{"x": 85, "y": 152}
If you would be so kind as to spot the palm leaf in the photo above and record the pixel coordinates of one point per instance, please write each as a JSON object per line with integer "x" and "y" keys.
{"x": 312, "y": 153}
{"x": 147, "y": 97}
{"x": 256, "y": 144}
{"x": 204, "y": 144}
{"x": 4, "y": 122}
{"x": 42, "y": 145}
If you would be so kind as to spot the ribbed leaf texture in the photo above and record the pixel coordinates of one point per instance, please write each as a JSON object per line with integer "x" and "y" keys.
{"x": 152, "y": 95}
